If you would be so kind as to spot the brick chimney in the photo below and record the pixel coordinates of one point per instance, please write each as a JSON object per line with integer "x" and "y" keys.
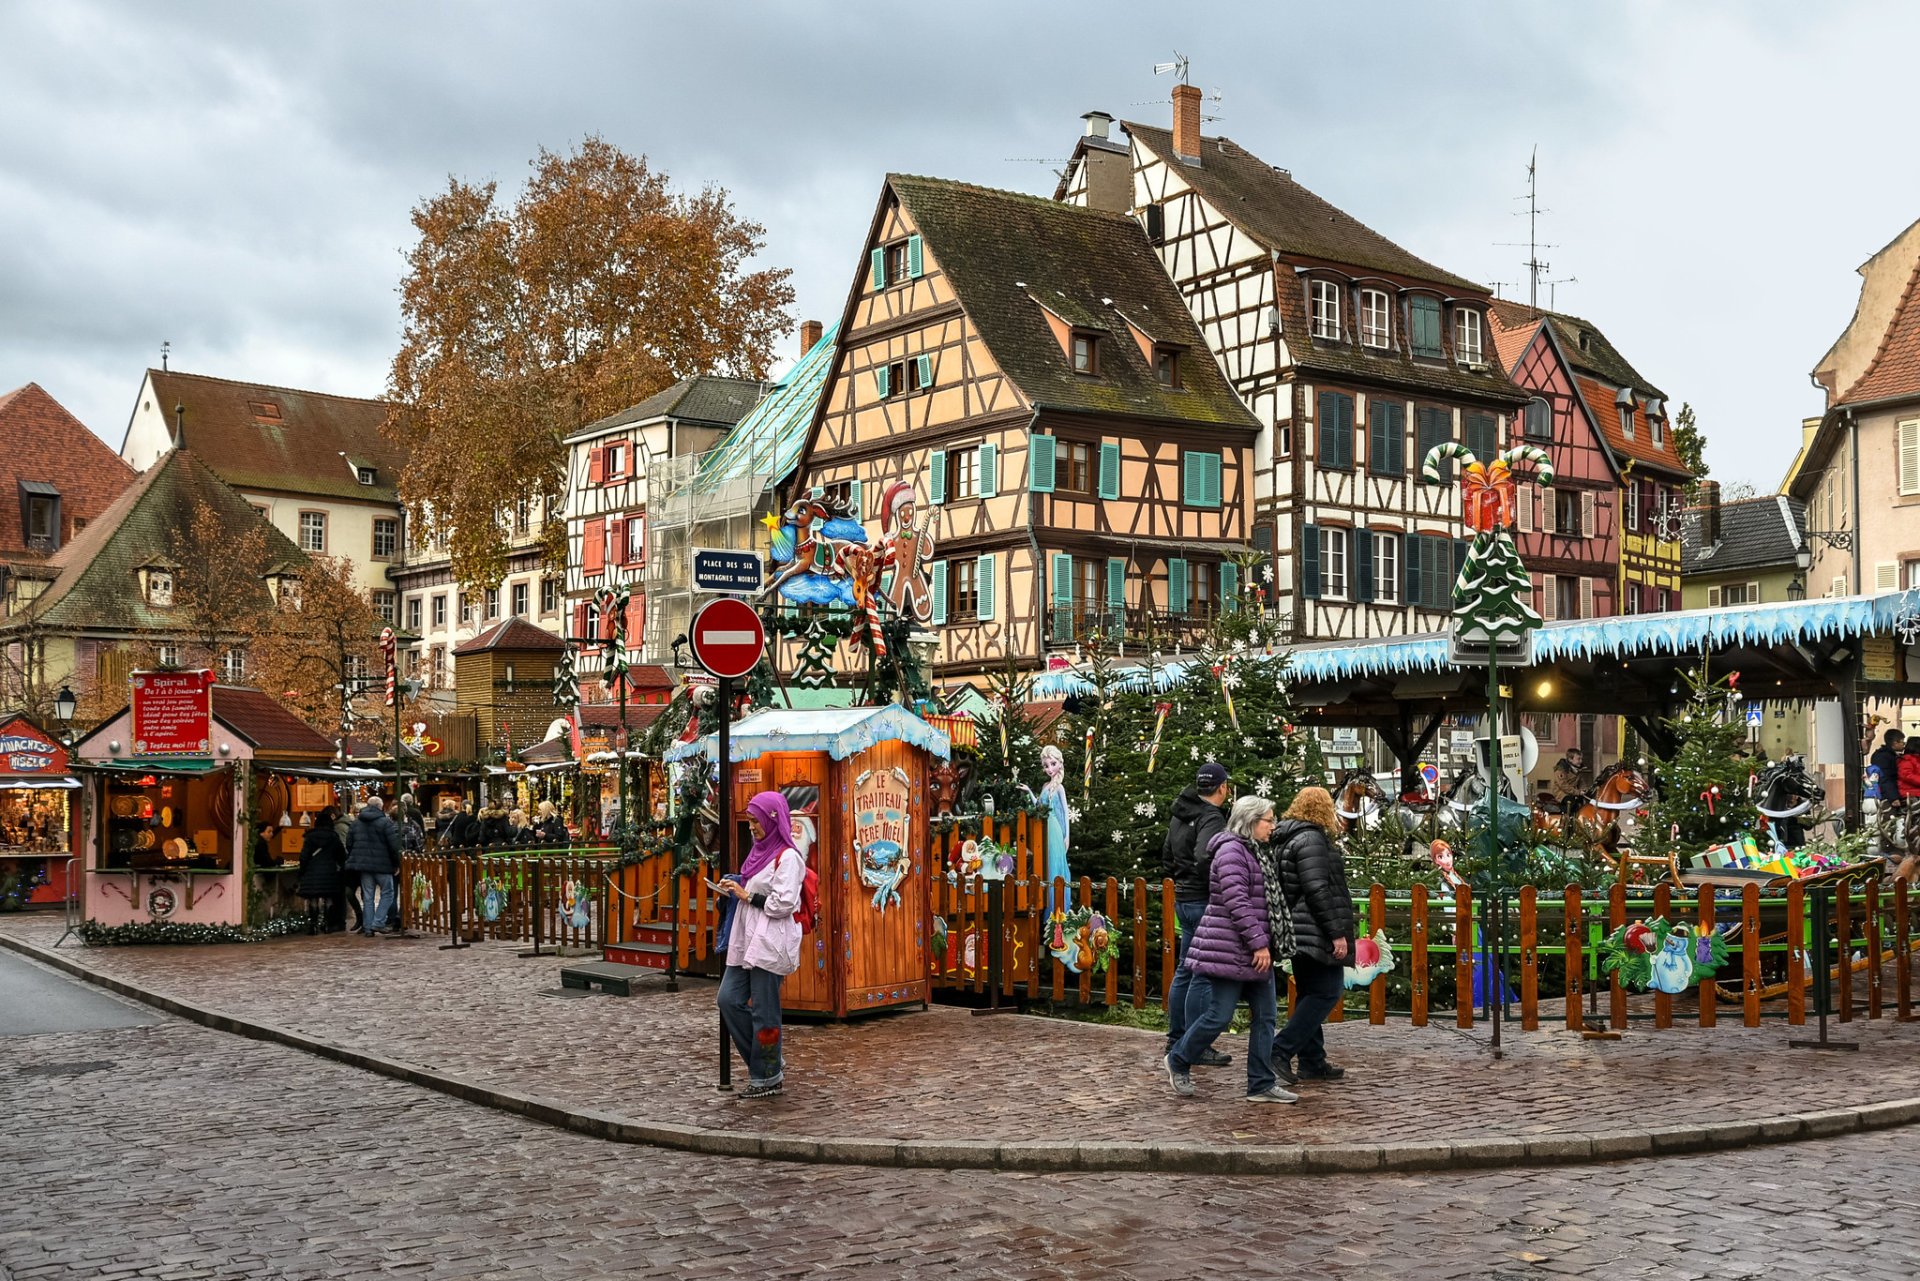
{"x": 1708, "y": 500}
{"x": 1186, "y": 123}
{"x": 809, "y": 335}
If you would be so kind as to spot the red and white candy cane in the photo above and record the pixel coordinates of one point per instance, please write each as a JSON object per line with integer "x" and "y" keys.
{"x": 386, "y": 649}
{"x": 1711, "y": 795}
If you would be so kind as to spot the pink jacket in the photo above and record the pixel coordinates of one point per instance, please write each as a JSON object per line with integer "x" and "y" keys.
{"x": 767, "y": 937}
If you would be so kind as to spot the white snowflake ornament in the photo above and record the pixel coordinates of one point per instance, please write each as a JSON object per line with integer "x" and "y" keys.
{"x": 1263, "y": 786}
{"x": 1144, "y": 809}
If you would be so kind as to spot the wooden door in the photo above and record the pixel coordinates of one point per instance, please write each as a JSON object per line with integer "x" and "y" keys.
{"x": 801, "y": 777}
{"x": 882, "y": 880}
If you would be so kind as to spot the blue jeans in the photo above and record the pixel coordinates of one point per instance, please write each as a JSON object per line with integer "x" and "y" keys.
{"x": 1317, "y": 987}
{"x": 376, "y": 900}
{"x": 1210, "y": 1004}
{"x": 1188, "y": 914}
{"x": 750, "y": 1011}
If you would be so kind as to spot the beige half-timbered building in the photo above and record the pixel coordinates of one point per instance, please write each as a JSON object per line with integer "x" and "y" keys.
{"x": 1355, "y": 356}
{"x": 1030, "y": 372}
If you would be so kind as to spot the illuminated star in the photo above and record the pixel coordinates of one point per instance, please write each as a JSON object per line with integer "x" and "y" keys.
{"x": 772, "y": 521}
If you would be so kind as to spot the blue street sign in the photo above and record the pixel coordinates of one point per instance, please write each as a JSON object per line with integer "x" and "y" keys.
{"x": 721, "y": 569}
{"x": 1753, "y": 715}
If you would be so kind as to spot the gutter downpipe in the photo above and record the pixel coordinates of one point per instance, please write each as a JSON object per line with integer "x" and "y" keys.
{"x": 1041, "y": 569}
{"x": 1853, "y": 449}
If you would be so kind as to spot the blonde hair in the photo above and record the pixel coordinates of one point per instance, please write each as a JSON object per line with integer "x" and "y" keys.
{"x": 1315, "y": 805}
{"x": 518, "y": 818}
{"x": 547, "y": 810}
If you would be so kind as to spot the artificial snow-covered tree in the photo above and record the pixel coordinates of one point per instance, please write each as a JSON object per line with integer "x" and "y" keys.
{"x": 1704, "y": 799}
{"x": 1490, "y": 596}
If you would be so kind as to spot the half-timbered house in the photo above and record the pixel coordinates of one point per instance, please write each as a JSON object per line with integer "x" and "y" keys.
{"x": 1355, "y": 356}
{"x": 1029, "y": 375}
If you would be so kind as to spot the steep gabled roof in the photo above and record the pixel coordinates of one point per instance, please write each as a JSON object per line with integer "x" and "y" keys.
{"x": 1755, "y": 533}
{"x": 1894, "y": 371}
{"x": 264, "y": 723}
{"x": 41, "y": 443}
{"x": 707, "y": 400}
{"x": 514, "y": 633}
{"x": 1513, "y": 328}
{"x": 257, "y": 436}
{"x": 1011, "y": 258}
{"x": 1284, "y": 216}
{"x": 1585, "y": 347}
{"x": 1603, "y": 410}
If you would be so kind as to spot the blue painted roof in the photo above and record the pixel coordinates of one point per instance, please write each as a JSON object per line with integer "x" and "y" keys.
{"x": 840, "y": 732}
{"x": 1681, "y": 632}
{"x": 769, "y": 439}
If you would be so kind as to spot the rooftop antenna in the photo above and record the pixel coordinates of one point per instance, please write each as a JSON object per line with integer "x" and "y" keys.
{"x": 1178, "y": 66}
{"x": 165, "y": 347}
{"x": 1536, "y": 269}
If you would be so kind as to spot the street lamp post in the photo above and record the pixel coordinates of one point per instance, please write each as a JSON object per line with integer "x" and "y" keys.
{"x": 64, "y": 706}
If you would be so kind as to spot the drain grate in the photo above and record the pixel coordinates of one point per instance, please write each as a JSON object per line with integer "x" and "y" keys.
{"x": 80, "y": 1068}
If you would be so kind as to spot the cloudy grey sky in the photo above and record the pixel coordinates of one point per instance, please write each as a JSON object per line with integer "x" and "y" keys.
{"x": 236, "y": 178}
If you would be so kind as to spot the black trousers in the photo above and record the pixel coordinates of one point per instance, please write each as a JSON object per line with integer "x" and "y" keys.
{"x": 1317, "y": 987}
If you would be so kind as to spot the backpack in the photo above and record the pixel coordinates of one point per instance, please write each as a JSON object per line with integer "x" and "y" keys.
{"x": 808, "y": 912}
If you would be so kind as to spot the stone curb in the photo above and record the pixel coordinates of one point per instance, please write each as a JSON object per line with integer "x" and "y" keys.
{"x": 1044, "y": 1157}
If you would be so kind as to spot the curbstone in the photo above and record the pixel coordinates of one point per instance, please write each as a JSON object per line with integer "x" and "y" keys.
{"x": 1621, "y": 1145}
{"x": 1343, "y": 1158}
{"x": 1560, "y": 1149}
{"x": 860, "y": 1151}
{"x": 1831, "y": 1121}
{"x": 1183, "y": 1158}
{"x": 1417, "y": 1156}
{"x": 1479, "y": 1153}
{"x": 951, "y": 1154}
{"x": 1104, "y": 1155}
{"x": 1679, "y": 1138}
{"x": 1281, "y": 1159}
{"x": 791, "y": 1147}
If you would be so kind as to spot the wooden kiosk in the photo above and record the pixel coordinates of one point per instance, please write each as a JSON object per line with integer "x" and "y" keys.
{"x": 855, "y": 779}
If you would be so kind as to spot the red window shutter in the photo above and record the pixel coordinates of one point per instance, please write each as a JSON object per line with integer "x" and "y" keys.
{"x": 596, "y": 465}
{"x": 580, "y": 619}
{"x": 593, "y": 545}
{"x": 617, "y": 544}
{"x": 606, "y": 626}
{"x": 636, "y": 621}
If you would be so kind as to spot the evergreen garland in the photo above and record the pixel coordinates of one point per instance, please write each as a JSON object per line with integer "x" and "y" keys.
{"x": 94, "y": 934}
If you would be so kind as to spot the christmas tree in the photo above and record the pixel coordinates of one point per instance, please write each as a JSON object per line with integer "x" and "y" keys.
{"x": 1007, "y": 762}
{"x": 1490, "y": 599}
{"x": 1704, "y": 798}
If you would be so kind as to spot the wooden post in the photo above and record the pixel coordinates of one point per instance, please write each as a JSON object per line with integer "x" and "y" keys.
{"x": 1463, "y": 957}
{"x": 1903, "y": 954}
{"x": 1843, "y": 950}
{"x": 1796, "y": 954}
{"x": 1169, "y": 933}
{"x": 1704, "y": 988}
{"x": 1086, "y": 975}
{"x": 1529, "y": 960}
{"x": 1750, "y": 951}
{"x": 1376, "y": 921}
{"x": 1872, "y": 933}
{"x": 1663, "y": 1001}
{"x": 1617, "y": 917}
{"x": 1417, "y": 934}
{"x": 1576, "y": 961}
{"x": 1113, "y": 923}
{"x": 1139, "y": 936}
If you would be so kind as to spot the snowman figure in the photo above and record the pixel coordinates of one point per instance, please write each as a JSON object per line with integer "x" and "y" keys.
{"x": 1673, "y": 964}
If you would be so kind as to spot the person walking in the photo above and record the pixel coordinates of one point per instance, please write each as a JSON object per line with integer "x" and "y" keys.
{"x": 1231, "y": 958}
{"x": 1313, "y": 880}
{"x": 373, "y": 851}
{"x": 763, "y": 946}
{"x": 321, "y": 876}
{"x": 1199, "y": 814}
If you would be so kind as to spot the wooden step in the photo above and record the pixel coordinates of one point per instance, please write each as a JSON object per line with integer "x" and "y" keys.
{"x": 639, "y": 953}
{"x": 610, "y": 977}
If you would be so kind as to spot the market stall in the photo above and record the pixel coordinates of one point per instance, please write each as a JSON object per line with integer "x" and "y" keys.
{"x": 168, "y": 792}
{"x": 855, "y": 779}
{"x": 36, "y": 815}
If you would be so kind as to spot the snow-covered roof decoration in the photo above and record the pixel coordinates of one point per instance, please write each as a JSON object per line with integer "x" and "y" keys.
{"x": 1628, "y": 636}
{"x": 840, "y": 732}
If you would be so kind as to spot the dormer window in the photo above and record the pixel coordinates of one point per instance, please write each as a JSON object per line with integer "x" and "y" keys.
{"x": 40, "y": 515}
{"x": 1467, "y": 347}
{"x": 1423, "y": 314}
{"x": 1166, "y": 366}
{"x": 1376, "y": 325}
{"x": 1323, "y": 297}
{"x": 284, "y": 586}
{"x": 366, "y": 475}
{"x": 160, "y": 588}
{"x": 1085, "y": 350}
{"x": 1625, "y": 403}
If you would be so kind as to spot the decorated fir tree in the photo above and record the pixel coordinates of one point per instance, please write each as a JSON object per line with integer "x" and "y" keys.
{"x": 1490, "y": 597}
{"x": 1007, "y": 762}
{"x": 1705, "y": 798}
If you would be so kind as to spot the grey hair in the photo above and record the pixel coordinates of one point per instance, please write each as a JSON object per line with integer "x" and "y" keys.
{"x": 1247, "y": 811}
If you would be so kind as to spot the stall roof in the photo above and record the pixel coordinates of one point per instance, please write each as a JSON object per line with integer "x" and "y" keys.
{"x": 839, "y": 732}
{"x": 263, "y": 722}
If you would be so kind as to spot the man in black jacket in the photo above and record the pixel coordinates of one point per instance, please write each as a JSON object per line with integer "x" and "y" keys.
{"x": 1199, "y": 814}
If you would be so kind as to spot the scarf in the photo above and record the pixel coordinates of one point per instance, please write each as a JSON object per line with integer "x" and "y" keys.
{"x": 776, "y": 827}
{"x": 1279, "y": 918}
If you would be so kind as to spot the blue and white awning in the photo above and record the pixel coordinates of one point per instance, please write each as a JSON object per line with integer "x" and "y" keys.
{"x": 840, "y": 732}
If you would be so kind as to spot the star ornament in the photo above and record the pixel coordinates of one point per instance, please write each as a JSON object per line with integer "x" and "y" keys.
{"x": 1907, "y": 627}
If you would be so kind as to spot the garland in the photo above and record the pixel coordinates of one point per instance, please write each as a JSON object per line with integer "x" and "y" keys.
{"x": 94, "y": 934}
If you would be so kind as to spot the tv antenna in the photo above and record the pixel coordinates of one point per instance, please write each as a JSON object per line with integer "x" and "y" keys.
{"x": 1536, "y": 268}
{"x": 1178, "y": 66}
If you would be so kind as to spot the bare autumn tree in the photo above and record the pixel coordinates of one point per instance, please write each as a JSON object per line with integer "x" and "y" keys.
{"x": 600, "y": 285}
{"x": 219, "y": 593}
{"x": 321, "y": 635}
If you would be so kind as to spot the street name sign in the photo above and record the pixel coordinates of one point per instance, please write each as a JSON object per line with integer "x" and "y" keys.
{"x": 730, "y": 572}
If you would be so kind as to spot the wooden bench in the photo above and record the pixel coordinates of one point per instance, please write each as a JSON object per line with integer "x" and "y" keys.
{"x": 610, "y": 977}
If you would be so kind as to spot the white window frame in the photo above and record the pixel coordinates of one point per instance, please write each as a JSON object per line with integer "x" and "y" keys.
{"x": 1376, "y": 319}
{"x": 439, "y": 614}
{"x": 233, "y": 666}
{"x": 1469, "y": 337}
{"x": 963, "y": 476}
{"x": 549, "y": 595}
{"x": 391, "y": 613}
{"x": 168, "y": 655}
{"x": 1656, "y": 431}
{"x": 416, "y": 606}
{"x": 490, "y": 601}
{"x": 1630, "y": 498}
{"x": 390, "y": 526}
{"x": 1323, "y": 305}
{"x": 613, "y": 464}
{"x": 521, "y": 597}
{"x": 312, "y": 522}
{"x": 160, "y": 587}
{"x": 1386, "y": 568}
{"x": 1333, "y": 563}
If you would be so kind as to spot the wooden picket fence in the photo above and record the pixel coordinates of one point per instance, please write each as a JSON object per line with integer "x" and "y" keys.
{"x": 519, "y": 896}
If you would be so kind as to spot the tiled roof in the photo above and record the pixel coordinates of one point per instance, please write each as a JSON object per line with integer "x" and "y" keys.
{"x": 514, "y": 633}
{"x": 718, "y": 402}
{"x": 41, "y": 442}
{"x": 1755, "y": 533}
{"x": 549, "y": 752}
{"x": 1283, "y": 215}
{"x": 1603, "y": 409}
{"x": 1894, "y": 371}
{"x": 262, "y": 437}
{"x": 1007, "y": 255}
{"x": 1513, "y": 326}
{"x": 1346, "y": 360}
{"x": 271, "y": 728}
{"x": 1589, "y": 352}
{"x": 607, "y": 715}
{"x": 95, "y": 584}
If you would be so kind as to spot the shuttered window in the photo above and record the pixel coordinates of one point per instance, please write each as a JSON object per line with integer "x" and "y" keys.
{"x": 878, "y": 275}
{"x": 1425, "y": 314}
{"x": 1336, "y": 431}
{"x": 1200, "y": 478}
{"x": 1433, "y": 427}
{"x": 916, "y": 258}
{"x": 1588, "y": 505}
{"x": 1384, "y": 582}
{"x": 1176, "y": 586}
{"x": 1062, "y": 597}
{"x": 989, "y": 470}
{"x": 1310, "y": 562}
{"x": 1482, "y": 436}
{"x": 1334, "y": 580}
{"x": 1040, "y": 464}
{"x": 940, "y": 588}
{"x": 1116, "y": 587}
{"x": 1430, "y": 570}
{"x": 593, "y": 545}
{"x": 1386, "y": 438}
{"x": 1229, "y": 586}
{"x": 1910, "y": 457}
{"x": 1363, "y": 565}
{"x": 1110, "y": 470}
{"x": 1886, "y": 576}
{"x": 937, "y": 476}
{"x": 983, "y": 580}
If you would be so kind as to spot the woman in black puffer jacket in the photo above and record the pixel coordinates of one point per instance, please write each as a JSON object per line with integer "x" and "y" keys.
{"x": 322, "y": 874}
{"x": 1313, "y": 873}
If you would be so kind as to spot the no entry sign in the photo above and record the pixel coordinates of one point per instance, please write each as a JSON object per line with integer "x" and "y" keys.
{"x": 728, "y": 638}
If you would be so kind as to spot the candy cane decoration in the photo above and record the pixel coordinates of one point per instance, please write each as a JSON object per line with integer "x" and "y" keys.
{"x": 386, "y": 648}
{"x": 1711, "y": 795}
{"x": 1430, "y": 469}
{"x": 1542, "y": 464}
{"x": 1160, "y": 711}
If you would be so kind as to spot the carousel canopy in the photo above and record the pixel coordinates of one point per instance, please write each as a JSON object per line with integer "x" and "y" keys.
{"x": 839, "y": 732}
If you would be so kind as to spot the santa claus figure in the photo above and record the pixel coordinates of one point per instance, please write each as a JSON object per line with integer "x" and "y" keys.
{"x": 908, "y": 552}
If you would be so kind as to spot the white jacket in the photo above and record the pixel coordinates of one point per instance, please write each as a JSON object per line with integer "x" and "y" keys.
{"x": 768, "y": 938}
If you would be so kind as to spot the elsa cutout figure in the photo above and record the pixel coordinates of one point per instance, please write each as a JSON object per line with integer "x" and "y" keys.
{"x": 1053, "y": 795}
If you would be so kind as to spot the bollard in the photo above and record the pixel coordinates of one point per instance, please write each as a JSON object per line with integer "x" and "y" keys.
{"x": 453, "y": 906}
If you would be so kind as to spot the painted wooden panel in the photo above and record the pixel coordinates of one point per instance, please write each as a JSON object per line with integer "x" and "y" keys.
{"x": 885, "y": 956}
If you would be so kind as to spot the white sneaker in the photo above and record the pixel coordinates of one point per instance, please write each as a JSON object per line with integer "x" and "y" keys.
{"x": 1181, "y": 1082}
{"x": 1274, "y": 1095}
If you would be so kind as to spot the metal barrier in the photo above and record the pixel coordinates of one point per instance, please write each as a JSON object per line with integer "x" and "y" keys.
{"x": 71, "y": 903}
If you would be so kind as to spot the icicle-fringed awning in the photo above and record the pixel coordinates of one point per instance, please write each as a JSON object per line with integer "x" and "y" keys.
{"x": 1629, "y": 636}
{"x": 840, "y": 732}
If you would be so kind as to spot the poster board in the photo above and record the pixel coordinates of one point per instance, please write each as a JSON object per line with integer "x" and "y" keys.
{"x": 172, "y": 713}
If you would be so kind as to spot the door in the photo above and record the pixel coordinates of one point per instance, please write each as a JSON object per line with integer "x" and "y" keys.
{"x": 801, "y": 777}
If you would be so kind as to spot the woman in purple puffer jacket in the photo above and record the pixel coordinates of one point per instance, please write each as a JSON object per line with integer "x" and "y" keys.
{"x": 1230, "y": 958}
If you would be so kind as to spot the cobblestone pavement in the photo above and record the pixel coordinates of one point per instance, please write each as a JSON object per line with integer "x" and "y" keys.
{"x": 172, "y": 1151}
{"x": 482, "y": 1015}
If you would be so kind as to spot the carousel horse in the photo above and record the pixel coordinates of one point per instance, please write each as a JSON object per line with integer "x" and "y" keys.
{"x": 1619, "y": 793}
{"x": 1785, "y": 792}
{"x": 1359, "y": 801}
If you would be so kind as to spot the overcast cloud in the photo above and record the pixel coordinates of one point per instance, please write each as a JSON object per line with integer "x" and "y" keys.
{"x": 236, "y": 178}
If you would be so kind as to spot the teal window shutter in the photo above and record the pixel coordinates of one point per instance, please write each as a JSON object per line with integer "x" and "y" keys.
{"x": 1229, "y": 586}
{"x": 1310, "y": 562}
{"x": 989, "y": 470}
{"x": 1040, "y": 464}
{"x": 882, "y": 382}
{"x": 926, "y": 366}
{"x": 1216, "y": 463}
{"x": 880, "y": 269}
{"x": 1116, "y": 585}
{"x": 1062, "y": 597}
{"x": 915, "y": 258}
{"x": 983, "y": 584}
{"x": 1363, "y": 564}
{"x": 937, "y": 476}
{"x": 1200, "y": 479}
{"x": 853, "y": 499}
{"x": 1483, "y": 436}
{"x": 1110, "y": 471}
{"x": 1410, "y": 548}
{"x": 939, "y": 593}
{"x": 1176, "y": 585}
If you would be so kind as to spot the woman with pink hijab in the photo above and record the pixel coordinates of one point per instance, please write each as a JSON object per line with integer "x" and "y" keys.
{"x": 763, "y": 946}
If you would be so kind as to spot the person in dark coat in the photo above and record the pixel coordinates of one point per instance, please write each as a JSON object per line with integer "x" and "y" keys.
{"x": 1313, "y": 878}
{"x": 1886, "y": 759}
{"x": 373, "y": 851}
{"x": 496, "y": 829}
{"x": 322, "y": 859}
{"x": 551, "y": 829}
{"x": 1199, "y": 815}
{"x": 1231, "y": 957}
{"x": 462, "y": 830}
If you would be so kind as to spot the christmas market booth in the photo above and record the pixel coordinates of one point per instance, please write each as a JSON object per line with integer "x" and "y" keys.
{"x": 36, "y": 815}
{"x": 164, "y": 836}
{"x": 855, "y": 779}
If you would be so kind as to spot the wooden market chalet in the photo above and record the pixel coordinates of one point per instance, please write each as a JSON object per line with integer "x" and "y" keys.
{"x": 1022, "y": 369}
{"x": 1355, "y": 356}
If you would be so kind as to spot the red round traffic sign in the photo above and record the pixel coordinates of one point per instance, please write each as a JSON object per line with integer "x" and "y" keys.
{"x": 728, "y": 638}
